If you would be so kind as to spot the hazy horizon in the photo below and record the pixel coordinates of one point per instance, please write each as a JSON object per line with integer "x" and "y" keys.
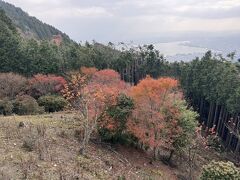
{"x": 135, "y": 20}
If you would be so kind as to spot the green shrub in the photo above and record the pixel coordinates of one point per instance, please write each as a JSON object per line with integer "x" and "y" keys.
{"x": 6, "y": 107}
{"x": 119, "y": 114}
{"x": 52, "y": 103}
{"x": 26, "y": 105}
{"x": 221, "y": 171}
{"x": 188, "y": 123}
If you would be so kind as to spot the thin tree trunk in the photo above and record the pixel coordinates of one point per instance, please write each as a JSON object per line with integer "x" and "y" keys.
{"x": 229, "y": 140}
{"x": 238, "y": 136}
{"x": 223, "y": 119}
{"x": 201, "y": 107}
{"x": 219, "y": 119}
{"x": 215, "y": 115}
{"x": 129, "y": 74}
{"x": 231, "y": 131}
{"x": 136, "y": 71}
{"x": 210, "y": 115}
{"x": 132, "y": 67}
{"x": 237, "y": 147}
{"x": 223, "y": 124}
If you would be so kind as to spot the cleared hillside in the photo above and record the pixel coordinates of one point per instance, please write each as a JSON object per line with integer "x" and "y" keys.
{"x": 47, "y": 148}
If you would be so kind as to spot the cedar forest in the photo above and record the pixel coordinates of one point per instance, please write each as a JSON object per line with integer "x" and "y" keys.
{"x": 132, "y": 96}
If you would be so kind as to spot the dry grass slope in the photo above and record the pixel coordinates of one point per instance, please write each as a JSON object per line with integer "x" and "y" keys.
{"x": 46, "y": 147}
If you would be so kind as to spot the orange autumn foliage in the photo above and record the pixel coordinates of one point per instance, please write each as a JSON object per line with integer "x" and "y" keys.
{"x": 154, "y": 121}
{"x": 155, "y": 118}
{"x": 101, "y": 85}
{"x": 90, "y": 92}
{"x": 106, "y": 85}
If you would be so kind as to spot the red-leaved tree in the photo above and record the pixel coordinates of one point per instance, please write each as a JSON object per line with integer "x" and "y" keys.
{"x": 90, "y": 92}
{"x": 40, "y": 85}
{"x": 155, "y": 118}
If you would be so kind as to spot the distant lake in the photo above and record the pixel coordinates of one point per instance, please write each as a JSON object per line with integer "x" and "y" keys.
{"x": 180, "y": 50}
{"x": 189, "y": 50}
{"x": 178, "y": 47}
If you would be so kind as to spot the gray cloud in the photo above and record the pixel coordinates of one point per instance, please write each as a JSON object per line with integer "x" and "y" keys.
{"x": 116, "y": 20}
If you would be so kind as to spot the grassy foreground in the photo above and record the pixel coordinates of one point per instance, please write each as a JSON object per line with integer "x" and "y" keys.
{"x": 46, "y": 147}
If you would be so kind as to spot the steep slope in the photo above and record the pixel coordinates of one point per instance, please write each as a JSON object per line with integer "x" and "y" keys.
{"x": 58, "y": 155}
{"x": 30, "y": 26}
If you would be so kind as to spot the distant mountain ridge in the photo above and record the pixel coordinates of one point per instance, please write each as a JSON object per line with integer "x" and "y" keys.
{"x": 30, "y": 26}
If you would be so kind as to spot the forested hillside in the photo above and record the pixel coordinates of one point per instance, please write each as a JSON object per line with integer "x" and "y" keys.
{"x": 32, "y": 57}
{"x": 212, "y": 84}
{"x": 10, "y": 40}
{"x": 30, "y": 26}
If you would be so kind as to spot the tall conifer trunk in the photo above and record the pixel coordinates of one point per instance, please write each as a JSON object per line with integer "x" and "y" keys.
{"x": 223, "y": 124}
{"x": 201, "y": 107}
{"x": 210, "y": 115}
{"x": 215, "y": 115}
{"x": 220, "y": 119}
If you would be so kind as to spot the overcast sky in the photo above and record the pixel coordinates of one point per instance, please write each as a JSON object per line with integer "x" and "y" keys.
{"x": 119, "y": 20}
